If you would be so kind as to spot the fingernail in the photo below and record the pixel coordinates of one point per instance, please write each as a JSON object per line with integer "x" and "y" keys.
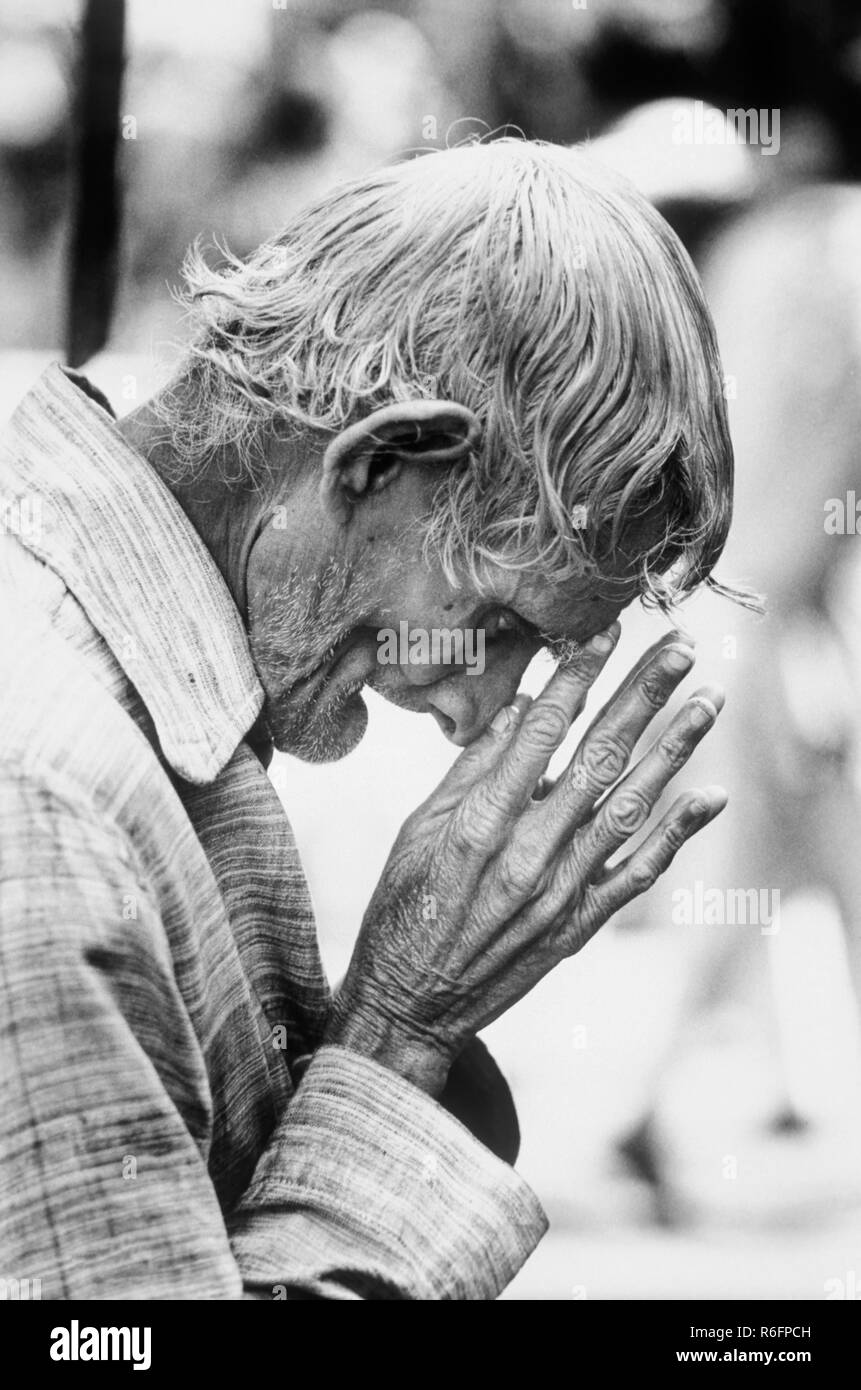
{"x": 702, "y": 712}
{"x": 504, "y": 718}
{"x": 605, "y": 641}
{"x": 679, "y": 658}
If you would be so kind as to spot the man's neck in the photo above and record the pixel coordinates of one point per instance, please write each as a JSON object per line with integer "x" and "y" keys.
{"x": 228, "y": 519}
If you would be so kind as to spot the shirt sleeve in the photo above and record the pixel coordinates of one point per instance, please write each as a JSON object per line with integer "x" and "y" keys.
{"x": 371, "y": 1190}
{"x": 367, "y": 1189}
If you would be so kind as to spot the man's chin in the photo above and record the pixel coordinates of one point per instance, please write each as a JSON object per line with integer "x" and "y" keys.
{"x": 321, "y": 736}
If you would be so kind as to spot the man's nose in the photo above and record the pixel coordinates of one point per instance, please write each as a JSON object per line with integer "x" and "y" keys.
{"x": 463, "y": 703}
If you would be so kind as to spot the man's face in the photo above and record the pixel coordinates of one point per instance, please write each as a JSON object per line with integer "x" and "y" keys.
{"x": 314, "y": 615}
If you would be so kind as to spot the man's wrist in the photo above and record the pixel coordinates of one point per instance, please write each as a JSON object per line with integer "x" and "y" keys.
{"x": 389, "y": 1045}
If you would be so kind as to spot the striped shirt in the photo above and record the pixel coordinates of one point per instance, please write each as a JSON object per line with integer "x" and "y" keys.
{"x": 159, "y": 973}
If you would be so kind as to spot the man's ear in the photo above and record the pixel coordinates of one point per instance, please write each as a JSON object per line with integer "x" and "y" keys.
{"x": 369, "y": 455}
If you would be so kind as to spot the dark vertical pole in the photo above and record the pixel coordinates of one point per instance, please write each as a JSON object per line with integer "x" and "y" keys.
{"x": 94, "y": 243}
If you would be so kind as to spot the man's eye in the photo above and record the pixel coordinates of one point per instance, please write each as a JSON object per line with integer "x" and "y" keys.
{"x": 501, "y": 622}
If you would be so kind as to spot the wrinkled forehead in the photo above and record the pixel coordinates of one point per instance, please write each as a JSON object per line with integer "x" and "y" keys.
{"x": 577, "y": 605}
{"x": 574, "y": 608}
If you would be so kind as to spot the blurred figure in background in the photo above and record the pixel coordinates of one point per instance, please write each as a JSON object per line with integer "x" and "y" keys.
{"x": 784, "y": 278}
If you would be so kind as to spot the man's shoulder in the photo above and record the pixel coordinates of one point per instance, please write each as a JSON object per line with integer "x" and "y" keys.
{"x": 59, "y": 724}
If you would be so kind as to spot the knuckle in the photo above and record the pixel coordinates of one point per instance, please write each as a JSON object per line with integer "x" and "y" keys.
{"x": 605, "y": 758}
{"x": 674, "y": 837}
{"x": 580, "y": 923}
{"x": 627, "y": 811}
{"x": 517, "y": 874}
{"x": 653, "y": 690}
{"x": 457, "y": 837}
{"x": 674, "y": 751}
{"x": 465, "y": 829}
{"x": 546, "y": 725}
{"x": 492, "y": 805}
{"x": 567, "y": 883}
{"x": 643, "y": 875}
{"x": 568, "y": 939}
{"x": 476, "y": 823}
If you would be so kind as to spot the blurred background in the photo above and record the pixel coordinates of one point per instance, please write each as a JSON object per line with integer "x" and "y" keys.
{"x": 689, "y": 1087}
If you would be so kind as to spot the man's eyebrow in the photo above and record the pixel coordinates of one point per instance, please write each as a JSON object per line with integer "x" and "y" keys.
{"x": 560, "y": 646}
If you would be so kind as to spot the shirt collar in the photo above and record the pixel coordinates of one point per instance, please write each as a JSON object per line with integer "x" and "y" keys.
{"x": 124, "y": 547}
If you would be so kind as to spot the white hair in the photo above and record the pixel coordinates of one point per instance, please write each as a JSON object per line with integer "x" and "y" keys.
{"x": 522, "y": 280}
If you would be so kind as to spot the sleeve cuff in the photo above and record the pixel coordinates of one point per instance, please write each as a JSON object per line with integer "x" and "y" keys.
{"x": 382, "y": 1194}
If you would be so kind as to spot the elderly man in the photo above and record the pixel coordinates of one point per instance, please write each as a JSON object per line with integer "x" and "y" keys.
{"x": 477, "y": 391}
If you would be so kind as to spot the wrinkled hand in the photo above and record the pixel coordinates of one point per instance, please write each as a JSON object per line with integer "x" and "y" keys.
{"x": 487, "y": 888}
